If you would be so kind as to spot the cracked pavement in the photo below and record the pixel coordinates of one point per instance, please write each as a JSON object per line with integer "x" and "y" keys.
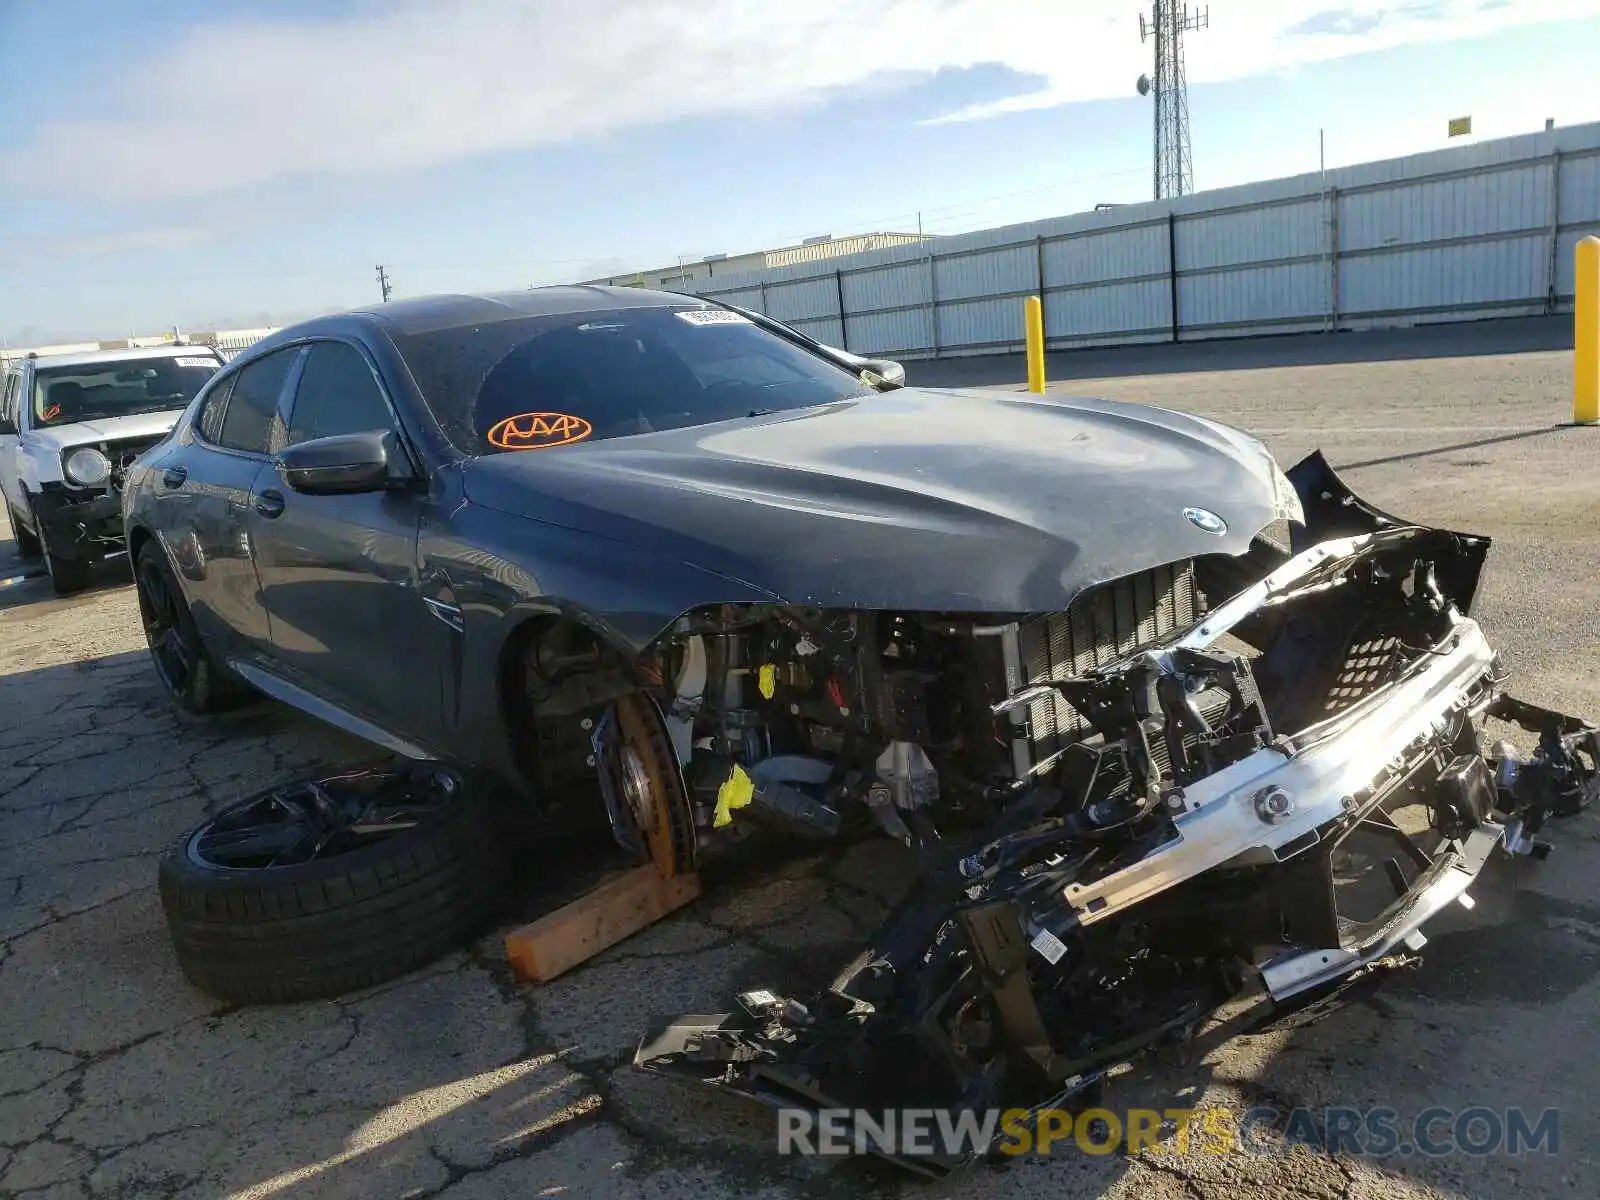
{"x": 118, "y": 1080}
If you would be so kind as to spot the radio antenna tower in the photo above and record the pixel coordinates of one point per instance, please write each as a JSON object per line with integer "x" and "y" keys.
{"x": 1174, "y": 167}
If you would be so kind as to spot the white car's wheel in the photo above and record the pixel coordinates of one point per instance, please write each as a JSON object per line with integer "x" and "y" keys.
{"x": 67, "y": 575}
{"x": 27, "y": 542}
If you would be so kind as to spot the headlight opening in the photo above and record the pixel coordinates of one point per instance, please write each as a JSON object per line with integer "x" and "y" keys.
{"x": 87, "y": 467}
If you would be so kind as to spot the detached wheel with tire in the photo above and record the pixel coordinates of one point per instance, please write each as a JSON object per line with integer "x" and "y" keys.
{"x": 195, "y": 682}
{"x": 67, "y": 574}
{"x": 334, "y": 884}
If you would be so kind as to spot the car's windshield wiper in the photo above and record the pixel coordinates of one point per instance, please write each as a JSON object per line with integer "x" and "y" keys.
{"x": 168, "y": 405}
{"x": 761, "y": 412}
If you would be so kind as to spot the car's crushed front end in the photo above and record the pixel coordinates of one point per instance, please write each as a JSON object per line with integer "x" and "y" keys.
{"x": 1146, "y": 810}
{"x": 82, "y": 511}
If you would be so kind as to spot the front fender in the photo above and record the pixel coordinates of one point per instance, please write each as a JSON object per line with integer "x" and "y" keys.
{"x": 1333, "y": 510}
{"x": 626, "y": 595}
{"x": 629, "y": 594}
{"x": 40, "y": 465}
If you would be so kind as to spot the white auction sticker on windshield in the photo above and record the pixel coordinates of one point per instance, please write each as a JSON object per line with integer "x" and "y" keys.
{"x": 712, "y": 316}
{"x": 195, "y": 362}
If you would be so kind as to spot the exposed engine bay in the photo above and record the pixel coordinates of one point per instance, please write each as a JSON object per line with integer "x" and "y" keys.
{"x": 1217, "y": 777}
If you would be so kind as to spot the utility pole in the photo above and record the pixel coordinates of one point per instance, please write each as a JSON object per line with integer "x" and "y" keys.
{"x": 383, "y": 283}
{"x": 1174, "y": 166}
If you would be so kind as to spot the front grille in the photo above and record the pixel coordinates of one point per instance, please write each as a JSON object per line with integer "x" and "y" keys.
{"x": 1100, "y": 625}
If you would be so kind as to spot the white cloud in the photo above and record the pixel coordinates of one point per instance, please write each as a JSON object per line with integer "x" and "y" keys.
{"x": 1259, "y": 37}
{"x": 423, "y": 82}
{"x": 130, "y": 241}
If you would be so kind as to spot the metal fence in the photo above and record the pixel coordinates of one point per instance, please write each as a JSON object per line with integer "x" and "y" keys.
{"x": 230, "y": 344}
{"x": 1476, "y": 231}
{"x": 1485, "y": 230}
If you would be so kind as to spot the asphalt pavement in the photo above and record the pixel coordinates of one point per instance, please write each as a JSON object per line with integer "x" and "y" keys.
{"x": 119, "y": 1080}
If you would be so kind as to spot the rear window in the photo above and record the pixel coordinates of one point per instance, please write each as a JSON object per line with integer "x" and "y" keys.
{"x": 543, "y": 382}
{"x": 104, "y": 390}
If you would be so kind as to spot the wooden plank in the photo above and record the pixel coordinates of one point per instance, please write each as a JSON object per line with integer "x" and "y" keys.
{"x": 615, "y": 910}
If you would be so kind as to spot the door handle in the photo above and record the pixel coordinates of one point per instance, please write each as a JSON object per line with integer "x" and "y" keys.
{"x": 174, "y": 477}
{"x": 270, "y": 503}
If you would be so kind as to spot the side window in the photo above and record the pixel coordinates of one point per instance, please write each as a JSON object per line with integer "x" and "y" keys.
{"x": 210, "y": 422}
{"x": 252, "y": 411}
{"x": 336, "y": 394}
{"x": 8, "y": 399}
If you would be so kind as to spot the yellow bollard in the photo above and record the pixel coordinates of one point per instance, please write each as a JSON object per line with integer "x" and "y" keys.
{"x": 1586, "y": 334}
{"x": 1033, "y": 322}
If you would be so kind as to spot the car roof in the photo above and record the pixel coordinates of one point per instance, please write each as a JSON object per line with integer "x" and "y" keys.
{"x": 85, "y": 358}
{"x": 427, "y": 314}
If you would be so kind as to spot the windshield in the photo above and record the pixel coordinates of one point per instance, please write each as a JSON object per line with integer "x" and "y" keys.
{"x": 101, "y": 390}
{"x": 541, "y": 382}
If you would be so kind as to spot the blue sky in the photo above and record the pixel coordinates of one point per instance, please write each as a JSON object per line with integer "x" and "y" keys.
{"x": 237, "y": 163}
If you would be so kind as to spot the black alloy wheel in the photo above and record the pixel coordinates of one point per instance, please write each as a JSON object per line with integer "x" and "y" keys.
{"x": 195, "y": 683}
{"x": 334, "y": 883}
{"x": 171, "y": 648}
{"x": 316, "y": 820}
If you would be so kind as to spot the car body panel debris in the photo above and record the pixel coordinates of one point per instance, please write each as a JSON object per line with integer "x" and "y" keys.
{"x": 1276, "y": 822}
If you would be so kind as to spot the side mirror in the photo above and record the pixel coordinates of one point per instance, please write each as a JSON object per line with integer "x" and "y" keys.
{"x": 883, "y": 374}
{"x": 880, "y": 373}
{"x": 345, "y": 463}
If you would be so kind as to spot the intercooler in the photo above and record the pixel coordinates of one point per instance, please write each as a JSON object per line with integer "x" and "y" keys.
{"x": 1100, "y": 625}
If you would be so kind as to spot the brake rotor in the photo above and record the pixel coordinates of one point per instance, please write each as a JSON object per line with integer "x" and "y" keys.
{"x": 653, "y": 785}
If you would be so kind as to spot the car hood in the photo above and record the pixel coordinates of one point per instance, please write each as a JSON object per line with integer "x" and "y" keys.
{"x": 110, "y": 429}
{"x": 916, "y": 499}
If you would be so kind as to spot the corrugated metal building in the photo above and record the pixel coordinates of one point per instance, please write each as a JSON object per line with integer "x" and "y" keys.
{"x": 684, "y": 275}
{"x": 1482, "y": 230}
{"x": 1474, "y": 231}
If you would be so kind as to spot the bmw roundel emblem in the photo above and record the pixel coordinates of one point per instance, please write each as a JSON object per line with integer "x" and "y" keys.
{"x": 1204, "y": 518}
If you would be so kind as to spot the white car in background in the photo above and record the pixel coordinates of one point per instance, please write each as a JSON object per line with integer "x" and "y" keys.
{"x": 70, "y": 424}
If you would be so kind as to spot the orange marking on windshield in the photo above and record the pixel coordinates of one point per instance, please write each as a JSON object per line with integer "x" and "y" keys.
{"x": 538, "y": 431}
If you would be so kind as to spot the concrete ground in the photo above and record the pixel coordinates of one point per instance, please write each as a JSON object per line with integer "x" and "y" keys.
{"x": 119, "y": 1080}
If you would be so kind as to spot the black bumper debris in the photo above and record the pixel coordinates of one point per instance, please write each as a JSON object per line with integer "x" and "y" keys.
{"x": 954, "y": 1009}
{"x": 74, "y": 528}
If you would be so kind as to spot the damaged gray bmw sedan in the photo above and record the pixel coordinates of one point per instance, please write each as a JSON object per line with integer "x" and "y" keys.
{"x": 1166, "y": 726}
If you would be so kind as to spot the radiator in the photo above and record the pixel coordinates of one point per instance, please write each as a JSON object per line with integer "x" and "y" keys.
{"x": 1100, "y": 625}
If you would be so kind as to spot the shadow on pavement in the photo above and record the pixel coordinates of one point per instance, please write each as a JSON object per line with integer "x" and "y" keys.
{"x": 24, "y": 581}
{"x": 1459, "y": 340}
{"x": 553, "y": 1118}
{"x": 24, "y": 584}
{"x": 1473, "y": 445}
